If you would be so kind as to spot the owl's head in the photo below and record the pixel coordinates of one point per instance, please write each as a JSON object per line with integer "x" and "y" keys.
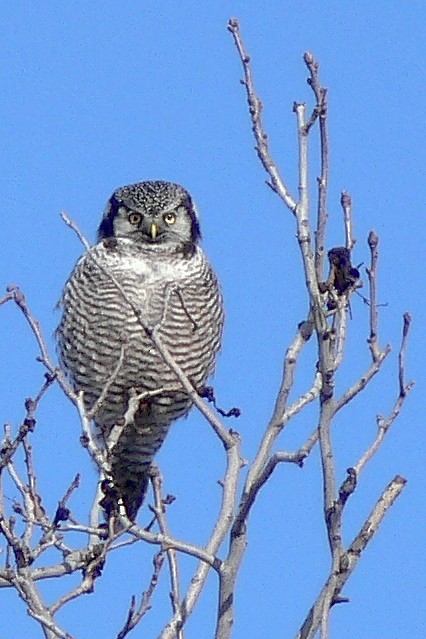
{"x": 152, "y": 213}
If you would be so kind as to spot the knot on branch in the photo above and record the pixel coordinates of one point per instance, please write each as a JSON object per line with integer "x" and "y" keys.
{"x": 23, "y": 555}
{"x": 306, "y": 328}
{"x": 327, "y": 385}
{"x": 348, "y": 486}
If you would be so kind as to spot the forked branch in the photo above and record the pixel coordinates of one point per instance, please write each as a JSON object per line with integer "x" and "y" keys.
{"x": 326, "y": 321}
{"x": 327, "y": 318}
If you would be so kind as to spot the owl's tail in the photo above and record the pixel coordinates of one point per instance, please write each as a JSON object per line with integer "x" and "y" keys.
{"x": 132, "y": 457}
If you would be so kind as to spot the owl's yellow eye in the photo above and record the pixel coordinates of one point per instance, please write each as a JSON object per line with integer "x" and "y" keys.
{"x": 135, "y": 218}
{"x": 169, "y": 218}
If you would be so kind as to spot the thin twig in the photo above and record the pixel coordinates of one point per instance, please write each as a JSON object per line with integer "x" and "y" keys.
{"x": 221, "y": 529}
{"x": 319, "y": 112}
{"x": 88, "y": 439}
{"x": 69, "y": 222}
{"x": 363, "y": 381}
{"x": 255, "y": 108}
{"x": 373, "y": 242}
{"x": 134, "y": 616}
{"x": 349, "y": 560}
{"x": 402, "y": 353}
{"x": 57, "y": 374}
{"x": 167, "y": 541}
{"x": 36, "y": 607}
{"x": 29, "y": 423}
{"x": 383, "y": 424}
{"x": 91, "y": 414}
{"x": 157, "y": 485}
{"x": 281, "y": 413}
{"x": 346, "y": 202}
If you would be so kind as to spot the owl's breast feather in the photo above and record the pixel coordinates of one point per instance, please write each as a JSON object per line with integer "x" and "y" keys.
{"x": 148, "y": 264}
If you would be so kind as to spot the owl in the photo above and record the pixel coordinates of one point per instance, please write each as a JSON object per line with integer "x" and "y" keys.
{"x": 147, "y": 271}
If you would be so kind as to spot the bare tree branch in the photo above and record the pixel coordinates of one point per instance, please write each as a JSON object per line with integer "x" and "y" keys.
{"x": 346, "y": 202}
{"x": 373, "y": 242}
{"x": 159, "y": 510}
{"x": 29, "y": 531}
{"x": 319, "y": 112}
{"x": 331, "y": 339}
{"x": 134, "y": 616}
{"x": 255, "y": 109}
{"x": 404, "y": 388}
{"x": 335, "y": 582}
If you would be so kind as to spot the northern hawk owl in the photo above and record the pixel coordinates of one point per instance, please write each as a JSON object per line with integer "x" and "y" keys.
{"x": 147, "y": 272}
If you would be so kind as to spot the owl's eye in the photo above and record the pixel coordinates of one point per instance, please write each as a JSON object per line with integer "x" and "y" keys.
{"x": 135, "y": 218}
{"x": 169, "y": 218}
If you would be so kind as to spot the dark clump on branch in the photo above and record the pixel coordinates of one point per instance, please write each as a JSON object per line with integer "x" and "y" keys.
{"x": 62, "y": 514}
{"x": 342, "y": 274}
{"x": 111, "y": 498}
{"x": 207, "y": 392}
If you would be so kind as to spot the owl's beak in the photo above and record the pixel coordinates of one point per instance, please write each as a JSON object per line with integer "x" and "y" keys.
{"x": 153, "y": 231}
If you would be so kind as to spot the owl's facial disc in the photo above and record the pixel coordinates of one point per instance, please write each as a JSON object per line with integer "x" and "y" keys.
{"x": 152, "y": 226}
{"x": 152, "y": 213}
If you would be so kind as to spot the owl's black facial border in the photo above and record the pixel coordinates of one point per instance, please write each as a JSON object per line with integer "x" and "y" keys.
{"x": 106, "y": 227}
{"x": 195, "y": 225}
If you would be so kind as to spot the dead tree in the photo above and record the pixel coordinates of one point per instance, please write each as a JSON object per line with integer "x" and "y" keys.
{"x": 30, "y": 534}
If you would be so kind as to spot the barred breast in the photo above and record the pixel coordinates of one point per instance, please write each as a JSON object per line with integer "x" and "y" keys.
{"x": 116, "y": 292}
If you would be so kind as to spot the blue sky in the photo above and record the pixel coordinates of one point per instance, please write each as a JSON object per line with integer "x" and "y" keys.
{"x": 97, "y": 95}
